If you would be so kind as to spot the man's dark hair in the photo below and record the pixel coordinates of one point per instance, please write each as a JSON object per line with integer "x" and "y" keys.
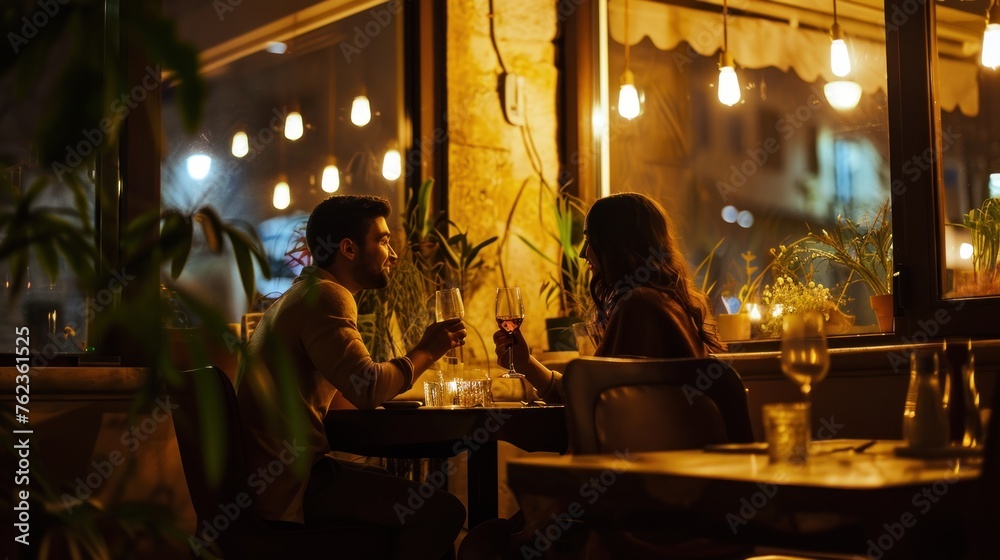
{"x": 338, "y": 217}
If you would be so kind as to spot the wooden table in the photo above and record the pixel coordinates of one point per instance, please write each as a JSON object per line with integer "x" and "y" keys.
{"x": 867, "y": 503}
{"x": 446, "y": 432}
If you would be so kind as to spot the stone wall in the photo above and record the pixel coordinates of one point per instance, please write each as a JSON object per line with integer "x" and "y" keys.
{"x": 489, "y": 160}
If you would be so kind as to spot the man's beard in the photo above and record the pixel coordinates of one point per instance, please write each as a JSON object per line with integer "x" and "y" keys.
{"x": 373, "y": 279}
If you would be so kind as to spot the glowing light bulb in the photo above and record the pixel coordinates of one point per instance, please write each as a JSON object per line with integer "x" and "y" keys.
{"x": 729, "y": 83}
{"x": 241, "y": 144}
{"x": 331, "y": 179}
{"x": 628, "y": 97}
{"x": 965, "y": 251}
{"x": 991, "y": 46}
{"x": 282, "y": 196}
{"x": 840, "y": 59}
{"x": 293, "y": 126}
{"x": 198, "y": 166}
{"x": 361, "y": 111}
{"x": 843, "y": 95}
{"x": 392, "y": 165}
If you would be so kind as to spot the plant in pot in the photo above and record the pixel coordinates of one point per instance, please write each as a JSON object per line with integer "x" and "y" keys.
{"x": 567, "y": 287}
{"x": 864, "y": 249}
{"x": 984, "y": 225}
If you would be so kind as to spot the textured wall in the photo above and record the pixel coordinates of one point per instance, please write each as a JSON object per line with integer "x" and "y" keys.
{"x": 489, "y": 159}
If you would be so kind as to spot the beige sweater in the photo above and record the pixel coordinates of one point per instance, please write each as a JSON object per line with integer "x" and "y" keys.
{"x": 305, "y": 349}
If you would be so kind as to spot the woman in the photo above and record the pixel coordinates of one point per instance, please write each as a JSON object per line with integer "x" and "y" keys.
{"x": 647, "y": 303}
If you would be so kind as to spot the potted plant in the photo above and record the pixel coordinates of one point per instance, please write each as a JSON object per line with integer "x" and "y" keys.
{"x": 567, "y": 287}
{"x": 863, "y": 248}
{"x": 984, "y": 225}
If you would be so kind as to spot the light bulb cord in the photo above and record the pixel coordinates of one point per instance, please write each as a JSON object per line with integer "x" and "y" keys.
{"x": 626, "y": 37}
{"x": 725, "y": 26}
{"x": 835, "y": 12}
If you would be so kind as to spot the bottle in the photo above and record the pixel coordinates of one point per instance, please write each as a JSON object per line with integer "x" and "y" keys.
{"x": 928, "y": 423}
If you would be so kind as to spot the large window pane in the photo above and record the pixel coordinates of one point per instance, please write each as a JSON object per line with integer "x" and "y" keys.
{"x": 311, "y": 62}
{"x": 751, "y": 178}
{"x": 970, "y": 117}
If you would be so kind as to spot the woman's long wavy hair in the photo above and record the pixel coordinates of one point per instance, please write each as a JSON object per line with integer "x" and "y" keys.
{"x": 631, "y": 233}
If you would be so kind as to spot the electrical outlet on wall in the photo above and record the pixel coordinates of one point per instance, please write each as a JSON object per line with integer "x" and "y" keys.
{"x": 512, "y": 98}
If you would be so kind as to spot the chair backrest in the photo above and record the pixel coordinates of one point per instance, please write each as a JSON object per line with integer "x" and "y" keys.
{"x": 207, "y": 425}
{"x": 614, "y": 404}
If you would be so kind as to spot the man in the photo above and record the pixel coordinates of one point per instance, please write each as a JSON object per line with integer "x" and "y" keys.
{"x": 306, "y": 351}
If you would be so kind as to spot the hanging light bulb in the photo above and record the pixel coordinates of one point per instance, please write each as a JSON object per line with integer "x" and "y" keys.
{"x": 729, "y": 83}
{"x": 843, "y": 95}
{"x": 628, "y": 96}
{"x": 241, "y": 144}
{"x": 293, "y": 126}
{"x": 991, "y": 38}
{"x": 282, "y": 196}
{"x": 331, "y": 177}
{"x": 392, "y": 165}
{"x": 840, "y": 59}
{"x": 361, "y": 111}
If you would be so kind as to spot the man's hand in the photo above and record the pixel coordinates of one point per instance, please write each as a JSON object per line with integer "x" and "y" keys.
{"x": 441, "y": 337}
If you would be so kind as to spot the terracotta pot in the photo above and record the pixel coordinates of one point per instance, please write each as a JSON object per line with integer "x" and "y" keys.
{"x": 882, "y": 305}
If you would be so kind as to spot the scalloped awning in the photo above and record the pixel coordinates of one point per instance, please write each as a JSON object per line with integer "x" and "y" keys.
{"x": 787, "y": 47}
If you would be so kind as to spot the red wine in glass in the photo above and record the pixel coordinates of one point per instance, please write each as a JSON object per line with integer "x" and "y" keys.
{"x": 510, "y": 314}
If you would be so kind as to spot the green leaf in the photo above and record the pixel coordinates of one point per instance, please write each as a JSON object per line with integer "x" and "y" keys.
{"x": 181, "y": 252}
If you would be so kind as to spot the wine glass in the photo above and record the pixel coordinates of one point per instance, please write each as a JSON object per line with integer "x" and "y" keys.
{"x": 804, "y": 358}
{"x": 448, "y": 305}
{"x": 510, "y": 314}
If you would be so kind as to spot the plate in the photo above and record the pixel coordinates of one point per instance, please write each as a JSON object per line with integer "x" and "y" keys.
{"x": 756, "y": 448}
{"x": 939, "y": 452}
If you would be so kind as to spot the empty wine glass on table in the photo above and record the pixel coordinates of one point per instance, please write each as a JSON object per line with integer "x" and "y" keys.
{"x": 448, "y": 305}
{"x": 804, "y": 357}
{"x": 510, "y": 315}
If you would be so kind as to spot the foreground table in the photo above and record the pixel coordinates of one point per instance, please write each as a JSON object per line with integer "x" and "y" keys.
{"x": 867, "y": 503}
{"x": 444, "y": 433}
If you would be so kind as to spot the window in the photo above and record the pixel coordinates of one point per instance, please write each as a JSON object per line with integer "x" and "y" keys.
{"x": 800, "y": 149}
{"x": 252, "y": 159}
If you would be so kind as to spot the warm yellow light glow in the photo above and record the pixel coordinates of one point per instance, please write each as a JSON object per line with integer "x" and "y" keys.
{"x": 293, "y": 126}
{"x": 331, "y": 179}
{"x": 241, "y": 144}
{"x": 282, "y": 196}
{"x": 392, "y": 165}
{"x": 753, "y": 309}
{"x": 991, "y": 46}
{"x": 729, "y": 86}
{"x": 628, "y": 97}
{"x": 840, "y": 59}
{"x": 361, "y": 111}
{"x": 843, "y": 95}
{"x": 965, "y": 251}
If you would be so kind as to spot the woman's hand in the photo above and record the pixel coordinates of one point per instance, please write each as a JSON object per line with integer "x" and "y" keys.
{"x": 502, "y": 340}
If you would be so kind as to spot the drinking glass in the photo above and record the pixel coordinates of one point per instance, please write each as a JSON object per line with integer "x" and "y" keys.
{"x": 804, "y": 358}
{"x": 510, "y": 314}
{"x": 448, "y": 305}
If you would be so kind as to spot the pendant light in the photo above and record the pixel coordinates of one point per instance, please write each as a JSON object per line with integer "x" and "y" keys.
{"x": 392, "y": 165}
{"x": 330, "y": 182}
{"x": 282, "y": 195}
{"x": 293, "y": 126}
{"x": 241, "y": 144}
{"x": 840, "y": 59}
{"x": 361, "y": 110}
{"x": 991, "y": 37}
{"x": 729, "y": 83}
{"x": 628, "y": 96}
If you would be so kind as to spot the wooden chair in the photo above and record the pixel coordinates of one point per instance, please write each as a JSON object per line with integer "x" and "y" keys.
{"x": 613, "y": 404}
{"x": 227, "y": 524}
{"x": 634, "y": 405}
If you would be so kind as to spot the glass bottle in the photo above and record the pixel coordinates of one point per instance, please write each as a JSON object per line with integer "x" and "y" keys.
{"x": 928, "y": 423}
